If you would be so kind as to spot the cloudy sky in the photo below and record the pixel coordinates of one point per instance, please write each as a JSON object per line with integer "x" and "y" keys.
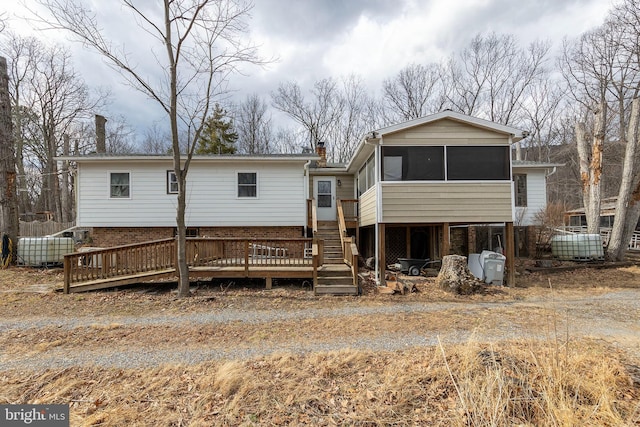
{"x": 315, "y": 39}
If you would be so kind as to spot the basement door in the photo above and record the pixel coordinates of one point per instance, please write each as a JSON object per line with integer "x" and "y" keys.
{"x": 324, "y": 191}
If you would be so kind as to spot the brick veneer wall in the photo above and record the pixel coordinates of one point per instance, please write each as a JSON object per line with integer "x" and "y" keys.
{"x": 115, "y": 236}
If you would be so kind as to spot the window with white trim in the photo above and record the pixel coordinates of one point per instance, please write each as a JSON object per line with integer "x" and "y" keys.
{"x": 172, "y": 183}
{"x": 247, "y": 184}
{"x": 119, "y": 185}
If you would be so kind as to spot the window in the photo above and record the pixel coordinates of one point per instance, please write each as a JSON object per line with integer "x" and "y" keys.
{"x": 324, "y": 194}
{"x": 172, "y": 183}
{"x": 119, "y": 185}
{"x": 366, "y": 176}
{"x": 392, "y": 166}
{"x": 247, "y": 184}
{"x": 520, "y": 187}
{"x": 413, "y": 163}
{"x": 478, "y": 163}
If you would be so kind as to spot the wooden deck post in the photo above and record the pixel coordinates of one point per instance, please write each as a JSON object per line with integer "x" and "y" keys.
{"x": 268, "y": 282}
{"x": 510, "y": 254}
{"x": 382, "y": 258}
{"x": 408, "y": 242}
{"x": 67, "y": 274}
{"x": 446, "y": 242}
{"x": 246, "y": 258}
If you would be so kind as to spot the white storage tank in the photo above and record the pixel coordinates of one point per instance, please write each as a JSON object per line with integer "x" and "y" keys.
{"x": 43, "y": 251}
{"x": 577, "y": 247}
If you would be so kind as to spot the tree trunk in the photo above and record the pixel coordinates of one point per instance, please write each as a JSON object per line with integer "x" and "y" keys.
{"x": 8, "y": 197}
{"x": 590, "y": 159}
{"x": 455, "y": 276}
{"x": 65, "y": 192}
{"x": 625, "y": 219}
{"x": 183, "y": 266}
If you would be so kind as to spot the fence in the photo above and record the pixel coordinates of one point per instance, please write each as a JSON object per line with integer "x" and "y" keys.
{"x": 43, "y": 228}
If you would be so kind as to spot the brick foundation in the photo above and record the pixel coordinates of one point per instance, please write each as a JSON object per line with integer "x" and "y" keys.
{"x": 115, "y": 236}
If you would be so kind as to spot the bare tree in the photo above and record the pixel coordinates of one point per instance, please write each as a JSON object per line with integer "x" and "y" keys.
{"x": 338, "y": 113}
{"x": 603, "y": 73}
{"x": 156, "y": 141}
{"x": 252, "y": 122}
{"x": 48, "y": 96}
{"x": 356, "y": 118}
{"x": 490, "y": 77}
{"x": 23, "y": 53}
{"x": 624, "y": 25}
{"x": 590, "y": 157}
{"x": 414, "y": 92}
{"x": 317, "y": 116}
{"x": 202, "y": 41}
{"x": 8, "y": 200}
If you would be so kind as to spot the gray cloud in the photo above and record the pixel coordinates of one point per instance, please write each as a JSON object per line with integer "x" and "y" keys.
{"x": 316, "y": 20}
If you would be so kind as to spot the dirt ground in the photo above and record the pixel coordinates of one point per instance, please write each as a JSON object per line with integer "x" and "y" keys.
{"x": 237, "y": 354}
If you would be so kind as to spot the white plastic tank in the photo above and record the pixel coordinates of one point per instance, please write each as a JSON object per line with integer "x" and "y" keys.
{"x": 43, "y": 251}
{"x": 475, "y": 267}
{"x": 577, "y": 247}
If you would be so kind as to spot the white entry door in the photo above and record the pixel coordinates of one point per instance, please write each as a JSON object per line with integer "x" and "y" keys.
{"x": 324, "y": 191}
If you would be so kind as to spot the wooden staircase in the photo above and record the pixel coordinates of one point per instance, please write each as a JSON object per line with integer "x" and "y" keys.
{"x": 335, "y": 277}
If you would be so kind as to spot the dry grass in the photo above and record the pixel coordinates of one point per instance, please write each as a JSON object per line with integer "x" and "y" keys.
{"x": 553, "y": 382}
{"x": 518, "y": 383}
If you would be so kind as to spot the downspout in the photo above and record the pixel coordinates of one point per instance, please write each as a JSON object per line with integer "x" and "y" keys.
{"x": 547, "y": 175}
{"x": 306, "y": 179}
{"x": 306, "y": 194}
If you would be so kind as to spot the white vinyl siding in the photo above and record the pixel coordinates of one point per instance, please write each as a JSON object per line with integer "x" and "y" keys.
{"x": 536, "y": 196}
{"x": 211, "y": 196}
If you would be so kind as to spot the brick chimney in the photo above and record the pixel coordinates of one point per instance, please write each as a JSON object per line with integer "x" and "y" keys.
{"x": 321, "y": 150}
{"x": 101, "y": 146}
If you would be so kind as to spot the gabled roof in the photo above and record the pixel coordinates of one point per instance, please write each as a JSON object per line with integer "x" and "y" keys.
{"x": 374, "y": 136}
{"x": 517, "y": 134}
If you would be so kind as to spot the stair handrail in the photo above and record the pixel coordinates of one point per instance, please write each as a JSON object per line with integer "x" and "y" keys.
{"x": 314, "y": 217}
{"x": 342, "y": 226}
{"x": 349, "y": 248}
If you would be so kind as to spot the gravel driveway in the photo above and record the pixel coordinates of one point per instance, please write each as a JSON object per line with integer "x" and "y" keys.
{"x": 613, "y": 317}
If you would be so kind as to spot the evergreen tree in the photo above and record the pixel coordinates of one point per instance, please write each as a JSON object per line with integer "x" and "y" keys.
{"x": 218, "y": 135}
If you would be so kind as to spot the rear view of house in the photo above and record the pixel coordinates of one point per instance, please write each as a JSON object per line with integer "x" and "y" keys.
{"x": 420, "y": 189}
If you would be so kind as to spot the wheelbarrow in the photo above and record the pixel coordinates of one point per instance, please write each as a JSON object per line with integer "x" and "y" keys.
{"x": 412, "y": 266}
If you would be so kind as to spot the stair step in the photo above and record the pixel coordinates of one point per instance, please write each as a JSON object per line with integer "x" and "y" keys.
{"x": 335, "y": 281}
{"x": 335, "y": 290}
{"x": 334, "y": 270}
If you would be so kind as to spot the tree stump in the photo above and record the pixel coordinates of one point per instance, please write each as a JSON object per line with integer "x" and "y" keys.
{"x": 455, "y": 276}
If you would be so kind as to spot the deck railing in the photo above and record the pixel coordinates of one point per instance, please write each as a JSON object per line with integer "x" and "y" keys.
{"x": 159, "y": 255}
{"x": 349, "y": 249}
{"x": 605, "y": 232}
{"x": 118, "y": 261}
{"x": 350, "y": 212}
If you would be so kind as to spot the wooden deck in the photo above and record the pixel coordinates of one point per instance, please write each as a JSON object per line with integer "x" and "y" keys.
{"x": 207, "y": 258}
{"x": 301, "y": 258}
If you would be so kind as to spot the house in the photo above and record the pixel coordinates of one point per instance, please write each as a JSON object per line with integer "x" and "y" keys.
{"x": 131, "y": 199}
{"x": 418, "y": 189}
{"x": 427, "y": 187}
{"x": 577, "y": 217}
